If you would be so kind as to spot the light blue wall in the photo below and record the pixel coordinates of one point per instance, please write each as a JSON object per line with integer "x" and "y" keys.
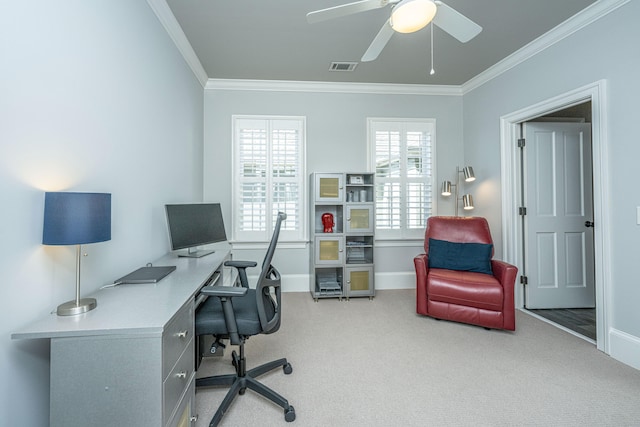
{"x": 94, "y": 96}
{"x": 336, "y": 142}
{"x": 606, "y": 49}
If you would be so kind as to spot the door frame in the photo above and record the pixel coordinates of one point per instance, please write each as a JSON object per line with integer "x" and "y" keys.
{"x": 511, "y": 185}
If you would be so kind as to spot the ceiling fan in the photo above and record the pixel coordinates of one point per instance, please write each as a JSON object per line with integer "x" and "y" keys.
{"x": 407, "y": 16}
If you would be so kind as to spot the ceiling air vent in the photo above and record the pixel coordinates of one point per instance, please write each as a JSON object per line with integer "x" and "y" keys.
{"x": 343, "y": 66}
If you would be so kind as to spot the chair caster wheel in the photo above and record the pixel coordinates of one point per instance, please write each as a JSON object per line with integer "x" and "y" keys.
{"x": 289, "y": 414}
{"x": 242, "y": 391}
{"x": 287, "y": 368}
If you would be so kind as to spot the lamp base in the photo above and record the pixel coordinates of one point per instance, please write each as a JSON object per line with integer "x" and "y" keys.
{"x": 70, "y": 308}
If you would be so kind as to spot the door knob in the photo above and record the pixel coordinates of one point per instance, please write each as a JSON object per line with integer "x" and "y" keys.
{"x": 588, "y": 223}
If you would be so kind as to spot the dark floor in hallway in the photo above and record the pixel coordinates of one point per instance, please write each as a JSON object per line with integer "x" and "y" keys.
{"x": 580, "y": 320}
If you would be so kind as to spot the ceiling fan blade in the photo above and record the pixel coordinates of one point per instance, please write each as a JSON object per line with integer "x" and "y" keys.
{"x": 455, "y": 23}
{"x": 381, "y": 40}
{"x": 344, "y": 10}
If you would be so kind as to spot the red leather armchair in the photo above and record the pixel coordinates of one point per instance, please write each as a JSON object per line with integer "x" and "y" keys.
{"x": 465, "y": 296}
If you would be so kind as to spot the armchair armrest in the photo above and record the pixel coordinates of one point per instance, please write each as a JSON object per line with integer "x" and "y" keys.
{"x": 241, "y": 266}
{"x": 421, "y": 264}
{"x": 506, "y": 274}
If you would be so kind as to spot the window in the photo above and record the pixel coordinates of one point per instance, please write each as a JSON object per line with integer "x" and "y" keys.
{"x": 402, "y": 156}
{"x": 269, "y": 177}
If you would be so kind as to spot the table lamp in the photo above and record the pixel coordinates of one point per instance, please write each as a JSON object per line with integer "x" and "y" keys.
{"x": 76, "y": 219}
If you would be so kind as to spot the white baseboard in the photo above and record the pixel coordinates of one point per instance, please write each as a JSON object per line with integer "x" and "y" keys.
{"x": 295, "y": 283}
{"x": 398, "y": 280}
{"x": 624, "y": 347}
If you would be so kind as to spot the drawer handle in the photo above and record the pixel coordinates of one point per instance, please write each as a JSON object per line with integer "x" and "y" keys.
{"x": 182, "y": 334}
{"x": 181, "y": 374}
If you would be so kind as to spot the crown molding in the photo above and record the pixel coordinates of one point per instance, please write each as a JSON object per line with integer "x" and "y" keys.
{"x": 587, "y": 16}
{"x": 580, "y": 20}
{"x": 325, "y": 87}
{"x": 170, "y": 24}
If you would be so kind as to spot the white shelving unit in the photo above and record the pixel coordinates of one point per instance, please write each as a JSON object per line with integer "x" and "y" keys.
{"x": 342, "y": 262}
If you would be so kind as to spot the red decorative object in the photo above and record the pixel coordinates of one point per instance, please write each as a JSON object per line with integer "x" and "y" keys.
{"x": 327, "y": 222}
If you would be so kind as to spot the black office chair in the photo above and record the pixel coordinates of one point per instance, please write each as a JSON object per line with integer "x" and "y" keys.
{"x": 236, "y": 313}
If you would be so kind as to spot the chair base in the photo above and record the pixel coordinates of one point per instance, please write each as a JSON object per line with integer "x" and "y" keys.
{"x": 242, "y": 380}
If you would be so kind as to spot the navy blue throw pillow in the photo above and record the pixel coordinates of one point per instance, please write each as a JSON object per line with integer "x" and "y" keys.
{"x": 460, "y": 256}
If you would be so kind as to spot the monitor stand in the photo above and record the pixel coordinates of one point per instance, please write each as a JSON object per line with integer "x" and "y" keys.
{"x": 195, "y": 253}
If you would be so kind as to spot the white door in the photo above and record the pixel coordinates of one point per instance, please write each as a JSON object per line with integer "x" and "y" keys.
{"x": 558, "y": 187}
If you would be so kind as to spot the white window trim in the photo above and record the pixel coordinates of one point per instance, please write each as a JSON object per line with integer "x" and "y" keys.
{"x": 394, "y": 238}
{"x": 295, "y": 238}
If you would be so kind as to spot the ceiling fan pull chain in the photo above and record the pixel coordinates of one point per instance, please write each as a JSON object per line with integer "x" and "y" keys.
{"x": 432, "y": 72}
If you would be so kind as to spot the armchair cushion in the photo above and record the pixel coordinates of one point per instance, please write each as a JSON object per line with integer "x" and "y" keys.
{"x": 474, "y": 257}
{"x": 465, "y": 288}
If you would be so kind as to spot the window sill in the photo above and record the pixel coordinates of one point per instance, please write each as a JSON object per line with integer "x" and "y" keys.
{"x": 379, "y": 243}
{"x": 264, "y": 245}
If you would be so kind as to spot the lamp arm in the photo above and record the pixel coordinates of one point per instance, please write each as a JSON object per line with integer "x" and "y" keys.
{"x": 457, "y": 185}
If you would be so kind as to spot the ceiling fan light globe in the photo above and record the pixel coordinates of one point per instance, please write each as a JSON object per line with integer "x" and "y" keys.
{"x": 409, "y": 16}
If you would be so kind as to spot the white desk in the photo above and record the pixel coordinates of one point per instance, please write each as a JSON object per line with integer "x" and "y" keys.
{"x": 130, "y": 361}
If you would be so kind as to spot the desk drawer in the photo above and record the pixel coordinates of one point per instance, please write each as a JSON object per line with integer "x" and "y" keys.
{"x": 185, "y": 416}
{"x": 177, "y": 334}
{"x": 177, "y": 381}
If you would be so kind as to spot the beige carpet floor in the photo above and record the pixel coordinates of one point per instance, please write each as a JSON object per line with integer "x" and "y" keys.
{"x": 376, "y": 363}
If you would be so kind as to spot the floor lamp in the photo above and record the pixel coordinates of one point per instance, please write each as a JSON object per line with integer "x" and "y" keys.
{"x": 76, "y": 219}
{"x": 467, "y": 199}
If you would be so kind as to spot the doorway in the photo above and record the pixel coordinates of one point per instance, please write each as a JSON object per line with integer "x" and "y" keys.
{"x": 557, "y": 191}
{"x": 513, "y": 233}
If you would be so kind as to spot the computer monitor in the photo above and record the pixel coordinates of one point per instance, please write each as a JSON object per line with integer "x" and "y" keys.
{"x": 195, "y": 224}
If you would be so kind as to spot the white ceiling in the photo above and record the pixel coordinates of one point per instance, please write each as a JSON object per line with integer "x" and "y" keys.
{"x": 271, "y": 40}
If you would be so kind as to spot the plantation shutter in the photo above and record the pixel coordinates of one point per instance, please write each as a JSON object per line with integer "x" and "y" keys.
{"x": 269, "y": 177}
{"x": 402, "y": 158}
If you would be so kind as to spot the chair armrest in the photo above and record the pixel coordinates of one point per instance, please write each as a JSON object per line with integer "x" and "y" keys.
{"x": 421, "y": 264}
{"x": 506, "y": 274}
{"x": 226, "y": 293}
{"x": 223, "y": 291}
{"x": 241, "y": 266}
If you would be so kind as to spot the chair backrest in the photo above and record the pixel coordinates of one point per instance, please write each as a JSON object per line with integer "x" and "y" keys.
{"x": 457, "y": 229}
{"x": 268, "y": 291}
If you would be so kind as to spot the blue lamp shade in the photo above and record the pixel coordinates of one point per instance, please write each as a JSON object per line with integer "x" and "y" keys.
{"x": 76, "y": 218}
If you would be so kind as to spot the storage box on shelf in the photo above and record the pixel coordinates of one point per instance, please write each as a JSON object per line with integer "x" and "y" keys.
{"x": 342, "y": 235}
